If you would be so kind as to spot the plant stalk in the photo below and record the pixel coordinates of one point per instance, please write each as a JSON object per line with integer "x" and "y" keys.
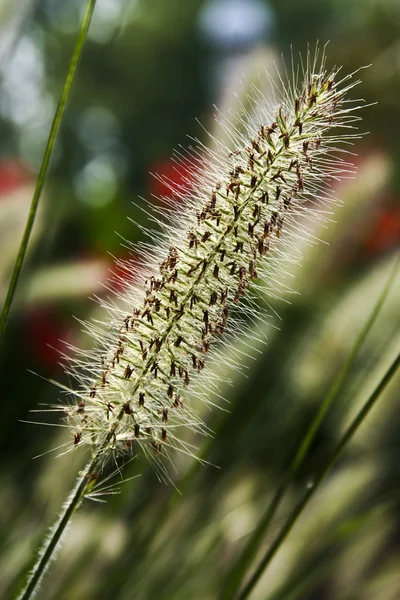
{"x": 84, "y": 483}
{"x": 55, "y": 126}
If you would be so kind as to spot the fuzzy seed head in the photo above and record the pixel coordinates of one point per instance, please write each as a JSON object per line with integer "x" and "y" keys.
{"x": 241, "y": 209}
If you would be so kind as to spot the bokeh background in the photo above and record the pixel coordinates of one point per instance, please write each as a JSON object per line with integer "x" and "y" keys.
{"x": 149, "y": 69}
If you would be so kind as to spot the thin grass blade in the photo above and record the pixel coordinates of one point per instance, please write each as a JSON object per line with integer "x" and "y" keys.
{"x": 240, "y": 567}
{"x": 291, "y": 520}
{"x": 55, "y": 126}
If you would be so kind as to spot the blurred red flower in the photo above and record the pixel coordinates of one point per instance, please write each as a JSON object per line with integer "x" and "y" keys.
{"x": 385, "y": 234}
{"x": 168, "y": 177}
{"x": 13, "y": 174}
{"x": 46, "y": 334}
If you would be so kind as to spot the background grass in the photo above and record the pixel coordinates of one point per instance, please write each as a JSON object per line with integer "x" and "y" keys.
{"x": 147, "y": 72}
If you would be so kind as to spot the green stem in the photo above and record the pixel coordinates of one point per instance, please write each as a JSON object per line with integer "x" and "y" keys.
{"x": 84, "y": 483}
{"x": 45, "y": 163}
{"x": 351, "y": 430}
{"x": 240, "y": 567}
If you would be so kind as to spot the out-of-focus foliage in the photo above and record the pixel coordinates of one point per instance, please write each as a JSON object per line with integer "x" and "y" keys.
{"x": 148, "y": 70}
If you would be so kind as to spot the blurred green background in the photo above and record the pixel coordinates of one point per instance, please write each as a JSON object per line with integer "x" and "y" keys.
{"x": 150, "y": 67}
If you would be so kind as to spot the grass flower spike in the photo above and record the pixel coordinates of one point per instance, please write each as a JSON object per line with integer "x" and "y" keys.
{"x": 243, "y": 208}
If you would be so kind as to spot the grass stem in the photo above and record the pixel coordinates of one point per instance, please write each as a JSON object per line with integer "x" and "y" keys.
{"x": 55, "y": 126}
{"x": 47, "y": 553}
